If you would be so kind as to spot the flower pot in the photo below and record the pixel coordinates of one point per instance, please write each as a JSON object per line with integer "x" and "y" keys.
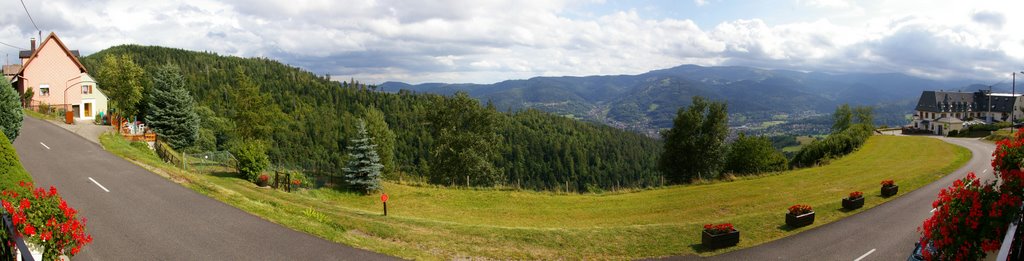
{"x": 261, "y": 183}
{"x": 852, "y": 204}
{"x": 799, "y": 220}
{"x": 888, "y": 191}
{"x": 710, "y": 241}
{"x": 35, "y": 251}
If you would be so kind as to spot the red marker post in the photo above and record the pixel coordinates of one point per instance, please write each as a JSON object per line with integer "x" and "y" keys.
{"x": 384, "y": 198}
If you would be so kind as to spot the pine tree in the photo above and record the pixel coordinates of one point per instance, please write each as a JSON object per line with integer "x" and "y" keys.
{"x": 172, "y": 113}
{"x": 363, "y": 168}
{"x": 10, "y": 110}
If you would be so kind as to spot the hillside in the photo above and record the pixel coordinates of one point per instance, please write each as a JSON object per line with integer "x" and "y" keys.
{"x": 432, "y": 223}
{"x": 647, "y": 102}
{"x": 318, "y": 117}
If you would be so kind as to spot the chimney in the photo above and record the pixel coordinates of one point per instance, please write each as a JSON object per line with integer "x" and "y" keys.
{"x": 33, "y": 45}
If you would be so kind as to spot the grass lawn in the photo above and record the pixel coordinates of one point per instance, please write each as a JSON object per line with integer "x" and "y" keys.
{"x": 427, "y": 222}
{"x": 803, "y": 140}
{"x": 37, "y": 115}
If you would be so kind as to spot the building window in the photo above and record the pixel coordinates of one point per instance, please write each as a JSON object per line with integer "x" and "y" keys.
{"x": 86, "y": 89}
{"x": 44, "y": 90}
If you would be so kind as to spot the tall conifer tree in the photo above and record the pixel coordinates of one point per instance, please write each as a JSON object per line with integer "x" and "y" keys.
{"x": 363, "y": 168}
{"x": 172, "y": 112}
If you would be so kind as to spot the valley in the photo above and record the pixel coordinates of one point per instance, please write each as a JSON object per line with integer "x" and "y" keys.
{"x": 761, "y": 101}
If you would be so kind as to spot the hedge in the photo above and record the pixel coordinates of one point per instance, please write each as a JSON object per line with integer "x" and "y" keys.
{"x": 11, "y": 171}
{"x": 833, "y": 146}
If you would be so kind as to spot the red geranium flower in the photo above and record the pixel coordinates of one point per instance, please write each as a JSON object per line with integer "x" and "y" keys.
{"x": 719, "y": 229}
{"x": 887, "y": 182}
{"x": 856, "y": 194}
{"x": 30, "y": 230}
{"x": 800, "y": 209}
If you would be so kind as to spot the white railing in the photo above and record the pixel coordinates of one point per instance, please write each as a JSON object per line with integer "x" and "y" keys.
{"x": 1011, "y": 231}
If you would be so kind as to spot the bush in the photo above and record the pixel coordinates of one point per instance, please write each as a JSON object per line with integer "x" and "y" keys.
{"x": 753, "y": 155}
{"x": 10, "y": 110}
{"x": 11, "y": 171}
{"x": 833, "y": 146}
{"x": 251, "y": 159}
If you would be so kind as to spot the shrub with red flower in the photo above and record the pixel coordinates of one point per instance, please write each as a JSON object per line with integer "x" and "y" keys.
{"x": 1008, "y": 157}
{"x": 970, "y": 219}
{"x": 800, "y": 209}
{"x": 719, "y": 229}
{"x": 296, "y": 182}
{"x": 856, "y": 195}
{"x": 45, "y": 219}
{"x": 264, "y": 177}
{"x": 888, "y": 182}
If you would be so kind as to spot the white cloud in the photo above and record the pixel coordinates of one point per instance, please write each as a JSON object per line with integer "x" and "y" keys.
{"x": 488, "y": 41}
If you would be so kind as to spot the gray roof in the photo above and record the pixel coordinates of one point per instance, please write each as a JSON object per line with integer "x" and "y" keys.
{"x": 26, "y": 53}
{"x": 941, "y": 101}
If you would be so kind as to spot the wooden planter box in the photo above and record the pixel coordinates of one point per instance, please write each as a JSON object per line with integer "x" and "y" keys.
{"x": 852, "y": 204}
{"x": 888, "y": 191}
{"x": 799, "y": 221}
{"x": 710, "y": 241}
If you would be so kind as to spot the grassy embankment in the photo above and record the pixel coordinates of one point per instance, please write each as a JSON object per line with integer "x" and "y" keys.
{"x": 803, "y": 140}
{"x": 437, "y": 223}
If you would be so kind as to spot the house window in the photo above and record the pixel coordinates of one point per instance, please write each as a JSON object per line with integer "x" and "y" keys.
{"x": 86, "y": 89}
{"x": 44, "y": 90}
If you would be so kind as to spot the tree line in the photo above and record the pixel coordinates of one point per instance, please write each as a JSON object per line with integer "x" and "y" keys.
{"x": 695, "y": 147}
{"x": 308, "y": 122}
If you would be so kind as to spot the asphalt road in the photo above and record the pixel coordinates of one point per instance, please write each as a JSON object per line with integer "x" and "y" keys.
{"x": 885, "y": 232}
{"x": 147, "y": 217}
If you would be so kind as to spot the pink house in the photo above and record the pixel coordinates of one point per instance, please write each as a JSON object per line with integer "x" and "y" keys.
{"x": 57, "y": 78}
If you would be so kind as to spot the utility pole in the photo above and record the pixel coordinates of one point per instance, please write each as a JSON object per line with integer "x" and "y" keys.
{"x": 990, "y": 104}
{"x": 1013, "y": 91}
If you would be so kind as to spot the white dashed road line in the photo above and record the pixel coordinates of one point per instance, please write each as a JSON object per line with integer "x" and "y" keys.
{"x": 98, "y": 184}
{"x": 865, "y": 255}
{"x": 44, "y": 145}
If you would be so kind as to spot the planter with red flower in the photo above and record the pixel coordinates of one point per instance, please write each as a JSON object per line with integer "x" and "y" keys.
{"x": 262, "y": 180}
{"x": 854, "y": 201}
{"x": 296, "y": 183}
{"x": 719, "y": 236}
{"x": 889, "y": 188}
{"x": 45, "y": 221}
{"x": 800, "y": 215}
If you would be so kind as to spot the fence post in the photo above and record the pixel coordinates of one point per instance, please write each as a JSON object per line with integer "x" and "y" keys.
{"x": 183, "y": 159}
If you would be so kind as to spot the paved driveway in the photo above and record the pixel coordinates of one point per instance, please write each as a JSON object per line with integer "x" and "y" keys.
{"x": 138, "y": 215}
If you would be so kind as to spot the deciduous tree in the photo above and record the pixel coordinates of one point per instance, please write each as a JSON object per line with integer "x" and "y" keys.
{"x": 752, "y": 155}
{"x": 121, "y": 80}
{"x": 694, "y": 146}
{"x": 382, "y": 137}
{"x": 465, "y": 149}
{"x": 842, "y": 118}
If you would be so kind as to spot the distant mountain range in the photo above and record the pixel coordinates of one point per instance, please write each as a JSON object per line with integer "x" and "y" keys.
{"x": 647, "y": 102}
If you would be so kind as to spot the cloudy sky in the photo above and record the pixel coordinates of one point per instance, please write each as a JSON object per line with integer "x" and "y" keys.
{"x": 489, "y": 41}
